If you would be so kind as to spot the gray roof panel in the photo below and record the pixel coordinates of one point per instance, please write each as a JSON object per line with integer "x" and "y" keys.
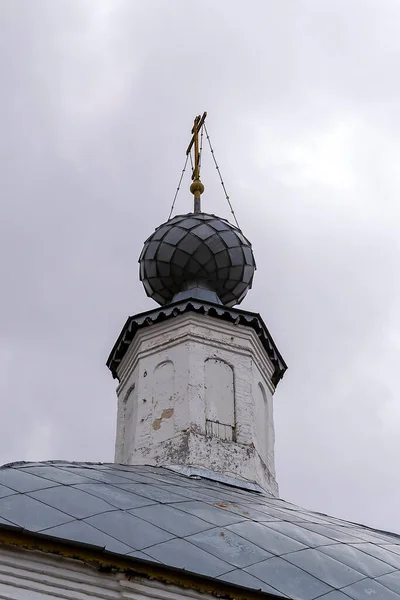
{"x": 116, "y": 497}
{"x": 20, "y": 481}
{"x": 212, "y": 514}
{"x": 79, "y": 531}
{"x": 5, "y": 491}
{"x": 153, "y": 492}
{"x": 143, "y": 556}
{"x": 211, "y": 528}
{"x": 335, "y": 596}
{"x": 131, "y": 530}
{"x": 72, "y": 501}
{"x": 391, "y": 580}
{"x": 266, "y": 538}
{"x": 338, "y": 534}
{"x": 190, "y": 493}
{"x": 225, "y": 544}
{"x": 239, "y": 577}
{"x": 355, "y": 558}
{"x": 375, "y": 537}
{"x": 334, "y": 573}
{"x": 52, "y": 473}
{"x": 104, "y": 475}
{"x": 248, "y": 512}
{"x": 6, "y": 522}
{"x": 368, "y": 588}
{"x": 381, "y": 552}
{"x": 183, "y": 555}
{"x": 289, "y": 579}
{"x": 295, "y": 531}
{"x": 172, "y": 520}
{"x": 393, "y": 548}
{"x": 30, "y": 513}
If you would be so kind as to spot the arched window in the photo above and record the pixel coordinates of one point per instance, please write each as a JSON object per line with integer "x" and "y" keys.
{"x": 162, "y": 398}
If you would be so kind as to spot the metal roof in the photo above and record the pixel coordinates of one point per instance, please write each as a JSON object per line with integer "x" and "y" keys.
{"x": 197, "y": 247}
{"x": 239, "y": 536}
{"x": 232, "y": 315}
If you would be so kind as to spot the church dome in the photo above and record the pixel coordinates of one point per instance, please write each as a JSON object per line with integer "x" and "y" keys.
{"x": 197, "y": 250}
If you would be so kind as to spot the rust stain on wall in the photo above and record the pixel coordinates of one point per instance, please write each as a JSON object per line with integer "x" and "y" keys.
{"x": 166, "y": 414}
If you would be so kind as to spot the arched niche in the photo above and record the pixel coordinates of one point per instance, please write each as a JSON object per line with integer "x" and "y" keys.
{"x": 163, "y": 390}
{"x": 261, "y": 419}
{"x": 219, "y": 399}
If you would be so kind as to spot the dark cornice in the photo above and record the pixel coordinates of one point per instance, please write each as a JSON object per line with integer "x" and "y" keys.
{"x": 231, "y": 315}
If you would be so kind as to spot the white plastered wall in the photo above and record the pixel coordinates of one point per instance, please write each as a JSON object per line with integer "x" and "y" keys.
{"x": 180, "y": 380}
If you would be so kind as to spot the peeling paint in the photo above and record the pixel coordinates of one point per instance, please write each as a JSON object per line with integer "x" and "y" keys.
{"x": 185, "y": 389}
{"x": 167, "y": 413}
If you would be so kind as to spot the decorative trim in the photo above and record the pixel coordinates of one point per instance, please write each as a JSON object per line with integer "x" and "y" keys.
{"x": 235, "y": 316}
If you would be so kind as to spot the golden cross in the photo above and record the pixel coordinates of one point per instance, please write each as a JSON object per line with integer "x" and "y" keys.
{"x": 197, "y": 188}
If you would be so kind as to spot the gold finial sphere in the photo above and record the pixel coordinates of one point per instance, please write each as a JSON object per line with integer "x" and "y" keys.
{"x": 196, "y": 186}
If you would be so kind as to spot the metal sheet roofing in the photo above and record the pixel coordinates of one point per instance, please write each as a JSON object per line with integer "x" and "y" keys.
{"x": 208, "y": 528}
{"x": 175, "y": 309}
{"x": 197, "y": 247}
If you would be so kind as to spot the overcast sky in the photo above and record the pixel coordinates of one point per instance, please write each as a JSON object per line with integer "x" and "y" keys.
{"x": 96, "y": 105}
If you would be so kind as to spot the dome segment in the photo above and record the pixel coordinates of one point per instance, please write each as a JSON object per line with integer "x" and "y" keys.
{"x": 197, "y": 250}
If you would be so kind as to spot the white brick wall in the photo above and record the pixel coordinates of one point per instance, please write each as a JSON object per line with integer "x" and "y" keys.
{"x": 178, "y": 375}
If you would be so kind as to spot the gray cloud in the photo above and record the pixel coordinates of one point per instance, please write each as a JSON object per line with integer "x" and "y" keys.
{"x": 96, "y": 105}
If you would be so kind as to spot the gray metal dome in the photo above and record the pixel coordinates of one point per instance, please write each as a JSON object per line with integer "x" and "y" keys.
{"x": 197, "y": 251}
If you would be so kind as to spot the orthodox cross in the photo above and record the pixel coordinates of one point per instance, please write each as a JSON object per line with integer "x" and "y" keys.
{"x": 197, "y": 188}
